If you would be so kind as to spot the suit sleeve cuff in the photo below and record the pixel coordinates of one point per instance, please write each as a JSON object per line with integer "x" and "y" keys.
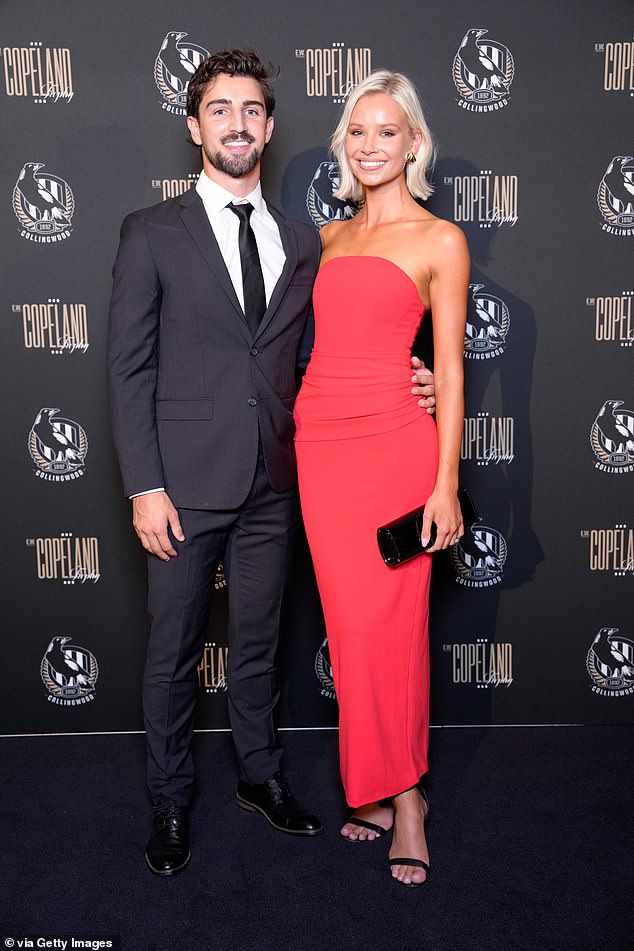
{"x": 147, "y": 492}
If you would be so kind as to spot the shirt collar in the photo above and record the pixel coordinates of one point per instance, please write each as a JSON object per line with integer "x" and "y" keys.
{"x": 215, "y": 197}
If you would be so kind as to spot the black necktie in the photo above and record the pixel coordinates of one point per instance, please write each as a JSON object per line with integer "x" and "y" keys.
{"x": 252, "y": 280}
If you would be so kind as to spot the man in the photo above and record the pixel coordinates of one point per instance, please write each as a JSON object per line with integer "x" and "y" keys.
{"x": 211, "y": 297}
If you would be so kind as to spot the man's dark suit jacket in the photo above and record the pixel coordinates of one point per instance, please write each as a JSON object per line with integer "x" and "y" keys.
{"x": 190, "y": 387}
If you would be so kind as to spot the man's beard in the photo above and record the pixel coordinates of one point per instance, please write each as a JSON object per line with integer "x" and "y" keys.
{"x": 234, "y": 165}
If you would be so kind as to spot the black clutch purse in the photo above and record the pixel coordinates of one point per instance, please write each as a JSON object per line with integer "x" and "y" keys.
{"x": 400, "y": 540}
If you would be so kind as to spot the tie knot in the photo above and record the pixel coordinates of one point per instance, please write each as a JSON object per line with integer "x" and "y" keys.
{"x": 243, "y": 211}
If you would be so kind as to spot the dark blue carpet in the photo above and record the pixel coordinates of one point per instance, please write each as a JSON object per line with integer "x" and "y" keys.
{"x": 530, "y": 842}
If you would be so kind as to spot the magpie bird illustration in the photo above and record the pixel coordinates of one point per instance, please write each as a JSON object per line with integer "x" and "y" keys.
{"x": 322, "y": 205}
{"x": 172, "y": 63}
{"x": 475, "y": 546}
{"x": 619, "y": 181}
{"x": 616, "y": 426}
{"x": 42, "y": 203}
{"x": 62, "y": 661}
{"x": 479, "y": 64}
{"x": 488, "y": 322}
{"x": 52, "y": 432}
{"x": 615, "y": 655}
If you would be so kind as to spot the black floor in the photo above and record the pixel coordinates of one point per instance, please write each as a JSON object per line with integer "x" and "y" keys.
{"x": 530, "y": 841}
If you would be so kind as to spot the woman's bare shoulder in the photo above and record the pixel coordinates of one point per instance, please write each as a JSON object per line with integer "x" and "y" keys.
{"x": 441, "y": 228}
{"x": 330, "y": 231}
{"x": 443, "y": 236}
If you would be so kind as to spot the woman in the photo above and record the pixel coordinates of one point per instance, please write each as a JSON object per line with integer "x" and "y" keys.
{"x": 367, "y": 455}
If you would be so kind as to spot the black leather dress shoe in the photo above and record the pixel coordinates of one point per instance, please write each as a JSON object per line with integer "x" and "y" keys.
{"x": 274, "y": 801}
{"x": 168, "y": 849}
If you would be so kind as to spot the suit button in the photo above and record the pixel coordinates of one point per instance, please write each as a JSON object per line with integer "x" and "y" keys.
{"x": 252, "y": 401}
{"x": 254, "y": 351}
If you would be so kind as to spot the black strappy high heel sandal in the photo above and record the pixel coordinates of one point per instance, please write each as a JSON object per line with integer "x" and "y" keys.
{"x": 415, "y": 863}
{"x": 379, "y": 831}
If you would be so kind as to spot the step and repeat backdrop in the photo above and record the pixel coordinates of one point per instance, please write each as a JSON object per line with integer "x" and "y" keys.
{"x": 531, "y": 104}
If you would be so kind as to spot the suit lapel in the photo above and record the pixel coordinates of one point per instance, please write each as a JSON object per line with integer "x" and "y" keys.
{"x": 194, "y": 217}
{"x": 289, "y": 244}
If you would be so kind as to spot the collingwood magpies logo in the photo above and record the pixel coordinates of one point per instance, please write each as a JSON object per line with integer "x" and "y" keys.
{"x": 479, "y": 557}
{"x": 44, "y": 204}
{"x": 615, "y": 195}
{"x": 322, "y": 205}
{"x": 177, "y": 61}
{"x": 68, "y": 672}
{"x": 610, "y": 663}
{"x": 483, "y": 71}
{"x": 323, "y": 669}
{"x": 58, "y": 446}
{"x": 612, "y": 437}
{"x": 488, "y": 322}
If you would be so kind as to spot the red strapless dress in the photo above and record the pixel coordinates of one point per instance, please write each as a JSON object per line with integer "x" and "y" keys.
{"x": 367, "y": 453}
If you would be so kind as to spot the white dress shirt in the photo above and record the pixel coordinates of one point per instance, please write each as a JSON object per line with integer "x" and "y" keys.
{"x": 225, "y": 226}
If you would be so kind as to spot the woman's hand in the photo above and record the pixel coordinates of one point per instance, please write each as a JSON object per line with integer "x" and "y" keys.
{"x": 423, "y": 380}
{"x": 443, "y": 508}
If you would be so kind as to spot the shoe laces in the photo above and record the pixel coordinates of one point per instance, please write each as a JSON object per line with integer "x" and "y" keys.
{"x": 164, "y": 812}
{"x": 278, "y": 788}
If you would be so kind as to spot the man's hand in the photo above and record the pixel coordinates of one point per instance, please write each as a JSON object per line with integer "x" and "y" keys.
{"x": 152, "y": 514}
{"x": 424, "y": 380}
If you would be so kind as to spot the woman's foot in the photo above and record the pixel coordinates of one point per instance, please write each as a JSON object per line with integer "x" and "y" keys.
{"x": 409, "y": 837}
{"x": 374, "y": 814}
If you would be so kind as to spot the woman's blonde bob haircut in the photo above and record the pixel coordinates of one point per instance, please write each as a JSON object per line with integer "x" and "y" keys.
{"x": 399, "y": 88}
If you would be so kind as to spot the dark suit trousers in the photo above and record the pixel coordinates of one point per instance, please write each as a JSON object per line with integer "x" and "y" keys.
{"x": 254, "y": 543}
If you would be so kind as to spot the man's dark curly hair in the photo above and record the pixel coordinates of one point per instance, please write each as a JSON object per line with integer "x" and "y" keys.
{"x": 231, "y": 63}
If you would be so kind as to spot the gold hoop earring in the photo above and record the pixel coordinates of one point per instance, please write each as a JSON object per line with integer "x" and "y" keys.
{"x": 410, "y": 158}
